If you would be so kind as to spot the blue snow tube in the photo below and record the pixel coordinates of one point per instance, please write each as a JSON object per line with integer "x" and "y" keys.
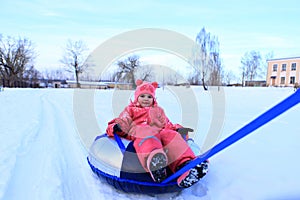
{"x": 115, "y": 161}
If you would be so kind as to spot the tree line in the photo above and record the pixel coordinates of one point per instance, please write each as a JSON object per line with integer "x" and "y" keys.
{"x": 16, "y": 61}
{"x": 206, "y": 64}
{"x": 17, "y": 69}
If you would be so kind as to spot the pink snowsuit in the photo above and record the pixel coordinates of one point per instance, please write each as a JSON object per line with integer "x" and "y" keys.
{"x": 150, "y": 129}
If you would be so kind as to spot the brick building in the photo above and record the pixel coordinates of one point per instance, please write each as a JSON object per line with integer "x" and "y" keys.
{"x": 283, "y": 72}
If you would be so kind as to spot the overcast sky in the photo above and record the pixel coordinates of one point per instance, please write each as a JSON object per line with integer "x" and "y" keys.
{"x": 241, "y": 26}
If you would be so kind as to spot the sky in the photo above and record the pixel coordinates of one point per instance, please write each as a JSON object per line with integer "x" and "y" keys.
{"x": 240, "y": 26}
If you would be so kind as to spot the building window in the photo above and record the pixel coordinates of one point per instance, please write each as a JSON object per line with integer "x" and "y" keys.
{"x": 292, "y": 80}
{"x": 293, "y": 68}
{"x": 275, "y": 67}
{"x": 283, "y": 67}
{"x": 282, "y": 80}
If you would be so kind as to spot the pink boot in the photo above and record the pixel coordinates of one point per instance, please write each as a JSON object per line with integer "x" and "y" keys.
{"x": 192, "y": 176}
{"x": 156, "y": 164}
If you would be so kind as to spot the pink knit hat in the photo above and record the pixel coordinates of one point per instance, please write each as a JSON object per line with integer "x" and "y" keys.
{"x": 144, "y": 87}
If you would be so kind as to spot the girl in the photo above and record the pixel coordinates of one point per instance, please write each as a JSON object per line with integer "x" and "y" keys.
{"x": 158, "y": 142}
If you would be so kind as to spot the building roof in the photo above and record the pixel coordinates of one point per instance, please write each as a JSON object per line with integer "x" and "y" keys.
{"x": 287, "y": 58}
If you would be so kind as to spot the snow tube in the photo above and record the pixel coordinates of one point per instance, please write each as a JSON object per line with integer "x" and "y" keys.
{"x": 116, "y": 163}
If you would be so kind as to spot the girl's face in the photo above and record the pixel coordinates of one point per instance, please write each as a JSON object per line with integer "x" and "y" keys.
{"x": 145, "y": 100}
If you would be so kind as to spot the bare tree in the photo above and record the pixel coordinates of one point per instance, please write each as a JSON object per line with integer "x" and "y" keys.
{"x": 229, "y": 76}
{"x": 267, "y": 57}
{"x": 193, "y": 77}
{"x": 32, "y": 76}
{"x": 251, "y": 64}
{"x": 200, "y": 57}
{"x": 244, "y": 74}
{"x": 144, "y": 73}
{"x": 128, "y": 70}
{"x": 172, "y": 78}
{"x": 206, "y": 59}
{"x": 215, "y": 64}
{"x": 54, "y": 74}
{"x": 74, "y": 58}
{"x": 16, "y": 56}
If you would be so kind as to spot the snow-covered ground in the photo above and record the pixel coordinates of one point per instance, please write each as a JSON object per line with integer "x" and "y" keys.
{"x": 43, "y": 150}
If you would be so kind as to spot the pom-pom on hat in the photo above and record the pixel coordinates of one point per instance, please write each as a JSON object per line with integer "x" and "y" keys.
{"x": 144, "y": 87}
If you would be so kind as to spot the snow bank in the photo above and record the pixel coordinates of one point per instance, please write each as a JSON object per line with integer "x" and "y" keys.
{"x": 42, "y": 156}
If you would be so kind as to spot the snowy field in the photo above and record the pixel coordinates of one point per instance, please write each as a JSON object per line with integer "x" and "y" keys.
{"x": 43, "y": 150}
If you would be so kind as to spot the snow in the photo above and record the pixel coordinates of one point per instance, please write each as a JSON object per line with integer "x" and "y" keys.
{"x": 43, "y": 155}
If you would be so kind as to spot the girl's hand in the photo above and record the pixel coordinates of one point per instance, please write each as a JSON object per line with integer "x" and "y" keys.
{"x": 184, "y": 131}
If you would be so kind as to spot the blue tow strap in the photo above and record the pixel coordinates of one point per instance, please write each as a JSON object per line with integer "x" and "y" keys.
{"x": 120, "y": 143}
{"x": 264, "y": 118}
